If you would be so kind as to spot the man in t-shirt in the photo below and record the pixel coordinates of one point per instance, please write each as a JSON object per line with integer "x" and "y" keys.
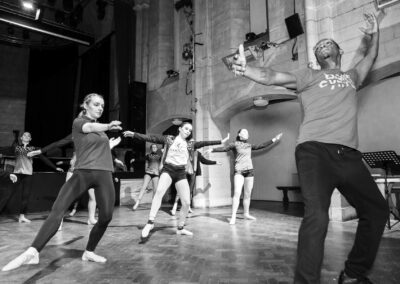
{"x": 326, "y": 154}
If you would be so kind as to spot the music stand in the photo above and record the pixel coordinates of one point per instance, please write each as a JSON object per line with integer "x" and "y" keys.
{"x": 386, "y": 160}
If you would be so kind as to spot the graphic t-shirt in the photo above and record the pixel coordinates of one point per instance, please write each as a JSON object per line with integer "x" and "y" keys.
{"x": 329, "y": 106}
{"x": 178, "y": 153}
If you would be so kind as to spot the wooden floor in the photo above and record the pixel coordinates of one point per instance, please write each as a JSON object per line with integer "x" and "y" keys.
{"x": 261, "y": 251}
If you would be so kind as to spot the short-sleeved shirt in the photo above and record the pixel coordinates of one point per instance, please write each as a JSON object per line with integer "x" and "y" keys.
{"x": 329, "y": 106}
{"x": 92, "y": 149}
{"x": 153, "y": 163}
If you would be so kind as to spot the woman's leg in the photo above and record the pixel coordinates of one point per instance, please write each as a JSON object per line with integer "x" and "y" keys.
{"x": 68, "y": 193}
{"x": 146, "y": 180}
{"x": 175, "y": 207}
{"x": 183, "y": 190}
{"x": 155, "y": 184}
{"x": 163, "y": 184}
{"x": 105, "y": 197}
{"x": 92, "y": 207}
{"x": 238, "y": 185}
{"x": 73, "y": 211}
{"x": 248, "y": 187}
{"x": 25, "y": 186}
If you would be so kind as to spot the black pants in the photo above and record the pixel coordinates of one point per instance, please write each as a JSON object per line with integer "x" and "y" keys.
{"x": 23, "y": 188}
{"x": 322, "y": 168}
{"x": 80, "y": 182}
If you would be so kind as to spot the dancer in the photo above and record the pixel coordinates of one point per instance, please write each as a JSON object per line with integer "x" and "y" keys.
{"x": 23, "y": 170}
{"x": 152, "y": 172}
{"x": 197, "y": 159}
{"x": 92, "y": 198}
{"x": 244, "y": 172}
{"x": 326, "y": 154}
{"x": 93, "y": 168}
{"x": 176, "y": 161}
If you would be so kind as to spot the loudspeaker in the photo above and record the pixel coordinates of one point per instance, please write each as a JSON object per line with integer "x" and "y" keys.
{"x": 293, "y": 25}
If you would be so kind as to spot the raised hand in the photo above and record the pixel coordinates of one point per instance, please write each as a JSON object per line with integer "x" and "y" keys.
{"x": 277, "y": 137}
{"x": 371, "y": 24}
{"x": 34, "y": 153}
{"x": 129, "y": 133}
{"x": 114, "y": 125}
{"x": 13, "y": 178}
{"x": 239, "y": 62}
{"x": 114, "y": 141}
{"x": 225, "y": 139}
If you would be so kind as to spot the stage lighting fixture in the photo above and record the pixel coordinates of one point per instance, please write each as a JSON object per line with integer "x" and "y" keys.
{"x": 28, "y": 5}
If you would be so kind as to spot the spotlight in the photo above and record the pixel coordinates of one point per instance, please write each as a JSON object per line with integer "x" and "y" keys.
{"x": 28, "y": 5}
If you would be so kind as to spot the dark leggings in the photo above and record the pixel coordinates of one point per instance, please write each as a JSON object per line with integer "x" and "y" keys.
{"x": 79, "y": 183}
{"x": 322, "y": 168}
{"x": 23, "y": 188}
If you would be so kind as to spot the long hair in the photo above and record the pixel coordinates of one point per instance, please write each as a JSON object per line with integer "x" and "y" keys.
{"x": 86, "y": 101}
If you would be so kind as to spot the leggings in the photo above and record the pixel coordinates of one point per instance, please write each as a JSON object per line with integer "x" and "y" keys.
{"x": 79, "y": 183}
{"x": 23, "y": 188}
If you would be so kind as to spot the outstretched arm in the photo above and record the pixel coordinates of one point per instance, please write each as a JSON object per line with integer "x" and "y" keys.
{"x": 231, "y": 146}
{"x": 262, "y": 75}
{"x": 205, "y": 161}
{"x": 101, "y": 127}
{"x": 266, "y": 144}
{"x": 158, "y": 139}
{"x": 58, "y": 144}
{"x": 371, "y": 31}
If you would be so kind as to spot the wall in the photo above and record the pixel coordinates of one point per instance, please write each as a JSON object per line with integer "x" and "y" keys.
{"x": 13, "y": 85}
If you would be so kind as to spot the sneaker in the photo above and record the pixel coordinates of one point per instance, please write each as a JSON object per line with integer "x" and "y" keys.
{"x": 91, "y": 223}
{"x": 344, "y": 279}
{"x": 30, "y": 256}
{"x": 72, "y": 213}
{"x": 184, "y": 232}
{"x": 22, "y": 219}
{"x": 249, "y": 217}
{"x": 146, "y": 230}
{"x": 91, "y": 256}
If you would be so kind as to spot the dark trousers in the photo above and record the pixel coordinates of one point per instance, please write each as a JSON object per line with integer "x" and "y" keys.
{"x": 23, "y": 188}
{"x": 79, "y": 183}
{"x": 322, "y": 168}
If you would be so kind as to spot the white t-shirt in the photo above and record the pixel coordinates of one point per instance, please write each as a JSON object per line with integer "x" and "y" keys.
{"x": 178, "y": 153}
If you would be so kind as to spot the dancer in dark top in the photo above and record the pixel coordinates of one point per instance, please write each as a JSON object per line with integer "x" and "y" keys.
{"x": 93, "y": 168}
{"x": 244, "y": 172}
{"x": 152, "y": 172}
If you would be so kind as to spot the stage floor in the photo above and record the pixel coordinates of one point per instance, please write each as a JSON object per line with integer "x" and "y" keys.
{"x": 261, "y": 251}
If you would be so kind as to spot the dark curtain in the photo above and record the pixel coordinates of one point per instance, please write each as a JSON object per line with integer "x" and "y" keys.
{"x": 95, "y": 74}
{"x": 50, "y": 95}
{"x": 125, "y": 33}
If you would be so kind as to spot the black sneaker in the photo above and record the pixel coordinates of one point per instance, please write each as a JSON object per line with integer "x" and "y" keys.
{"x": 344, "y": 279}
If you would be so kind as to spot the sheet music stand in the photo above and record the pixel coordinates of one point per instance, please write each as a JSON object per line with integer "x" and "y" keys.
{"x": 386, "y": 160}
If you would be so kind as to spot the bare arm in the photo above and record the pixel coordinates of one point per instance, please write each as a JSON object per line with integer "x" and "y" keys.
{"x": 262, "y": 75}
{"x": 101, "y": 127}
{"x": 371, "y": 31}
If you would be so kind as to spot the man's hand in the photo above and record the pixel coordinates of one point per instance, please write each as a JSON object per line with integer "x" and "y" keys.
{"x": 371, "y": 24}
{"x": 239, "y": 62}
{"x": 34, "y": 153}
{"x": 13, "y": 178}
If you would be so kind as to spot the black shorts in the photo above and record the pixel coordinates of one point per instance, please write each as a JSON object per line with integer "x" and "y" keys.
{"x": 176, "y": 173}
{"x": 151, "y": 175}
{"x": 245, "y": 173}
